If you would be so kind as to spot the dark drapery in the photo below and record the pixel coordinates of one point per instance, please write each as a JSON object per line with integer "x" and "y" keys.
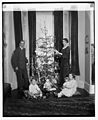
{"x": 17, "y": 27}
{"x": 58, "y": 29}
{"x": 58, "y": 33}
{"x": 32, "y": 37}
{"x": 74, "y": 43}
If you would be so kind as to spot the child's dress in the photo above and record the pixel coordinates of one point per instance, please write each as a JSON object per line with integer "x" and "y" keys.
{"x": 34, "y": 91}
{"x": 48, "y": 86}
{"x": 69, "y": 88}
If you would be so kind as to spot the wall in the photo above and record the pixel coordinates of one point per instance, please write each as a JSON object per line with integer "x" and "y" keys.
{"x": 87, "y": 48}
{"x": 89, "y": 34}
{"x": 65, "y": 24}
{"x": 85, "y": 36}
{"x": 81, "y": 46}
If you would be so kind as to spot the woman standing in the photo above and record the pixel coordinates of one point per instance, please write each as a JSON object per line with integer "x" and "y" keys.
{"x": 64, "y": 61}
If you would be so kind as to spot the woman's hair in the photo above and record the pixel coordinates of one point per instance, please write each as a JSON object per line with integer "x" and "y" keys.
{"x": 66, "y": 39}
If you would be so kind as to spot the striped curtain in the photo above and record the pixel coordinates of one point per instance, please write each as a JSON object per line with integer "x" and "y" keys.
{"x": 17, "y": 26}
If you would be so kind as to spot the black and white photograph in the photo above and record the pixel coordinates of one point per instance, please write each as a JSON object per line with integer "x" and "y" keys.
{"x": 48, "y": 59}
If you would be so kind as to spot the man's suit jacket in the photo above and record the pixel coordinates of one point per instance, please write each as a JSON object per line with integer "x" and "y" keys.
{"x": 15, "y": 59}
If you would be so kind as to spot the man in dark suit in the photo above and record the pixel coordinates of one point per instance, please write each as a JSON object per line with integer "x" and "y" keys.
{"x": 19, "y": 62}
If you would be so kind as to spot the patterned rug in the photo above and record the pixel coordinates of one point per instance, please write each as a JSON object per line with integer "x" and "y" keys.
{"x": 78, "y": 105}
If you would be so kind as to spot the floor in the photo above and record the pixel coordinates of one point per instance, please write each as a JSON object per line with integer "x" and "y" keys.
{"x": 78, "y": 105}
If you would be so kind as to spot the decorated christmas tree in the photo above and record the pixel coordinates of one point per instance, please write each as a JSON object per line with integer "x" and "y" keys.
{"x": 45, "y": 55}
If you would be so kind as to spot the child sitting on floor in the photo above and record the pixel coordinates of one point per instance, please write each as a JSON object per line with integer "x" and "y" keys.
{"x": 48, "y": 87}
{"x": 69, "y": 87}
{"x": 34, "y": 90}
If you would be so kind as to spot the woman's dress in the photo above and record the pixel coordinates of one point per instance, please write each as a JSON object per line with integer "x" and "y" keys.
{"x": 64, "y": 64}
